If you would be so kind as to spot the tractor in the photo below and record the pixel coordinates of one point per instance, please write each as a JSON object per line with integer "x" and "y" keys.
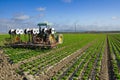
{"x": 43, "y": 37}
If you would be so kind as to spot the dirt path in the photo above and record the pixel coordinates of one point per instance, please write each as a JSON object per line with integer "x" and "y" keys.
{"x": 54, "y": 69}
{"x": 104, "y": 67}
{"x": 6, "y": 70}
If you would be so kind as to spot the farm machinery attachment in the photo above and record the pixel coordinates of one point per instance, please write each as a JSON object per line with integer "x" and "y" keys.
{"x": 45, "y": 37}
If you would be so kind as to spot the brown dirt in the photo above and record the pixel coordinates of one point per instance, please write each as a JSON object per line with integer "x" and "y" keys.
{"x": 6, "y": 70}
{"x": 104, "y": 67}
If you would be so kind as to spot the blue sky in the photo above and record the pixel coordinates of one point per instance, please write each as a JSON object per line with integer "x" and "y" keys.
{"x": 63, "y": 14}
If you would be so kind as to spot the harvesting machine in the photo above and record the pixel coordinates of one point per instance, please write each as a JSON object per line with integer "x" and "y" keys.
{"x": 43, "y": 37}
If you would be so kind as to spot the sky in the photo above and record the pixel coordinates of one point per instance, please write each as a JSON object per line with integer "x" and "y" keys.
{"x": 63, "y": 15}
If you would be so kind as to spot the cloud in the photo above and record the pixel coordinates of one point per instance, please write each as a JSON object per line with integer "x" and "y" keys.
{"x": 115, "y": 18}
{"x": 21, "y": 17}
{"x": 6, "y": 24}
{"x": 41, "y": 9}
{"x": 67, "y": 1}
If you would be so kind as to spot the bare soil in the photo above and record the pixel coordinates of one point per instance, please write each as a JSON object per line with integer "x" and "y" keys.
{"x": 104, "y": 67}
{"x": 6, "y": 69}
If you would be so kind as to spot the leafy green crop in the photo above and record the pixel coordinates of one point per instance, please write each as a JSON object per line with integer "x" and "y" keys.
{"x": 83, "y": 66}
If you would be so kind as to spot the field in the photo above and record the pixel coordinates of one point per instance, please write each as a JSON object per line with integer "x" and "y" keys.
{"x": 80, "y": 57}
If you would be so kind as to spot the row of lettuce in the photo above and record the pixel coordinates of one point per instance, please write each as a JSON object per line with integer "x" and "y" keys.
{"x": 114, "y": 44}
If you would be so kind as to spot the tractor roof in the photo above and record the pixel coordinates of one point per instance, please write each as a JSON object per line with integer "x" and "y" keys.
{"x": 42, "y": 24}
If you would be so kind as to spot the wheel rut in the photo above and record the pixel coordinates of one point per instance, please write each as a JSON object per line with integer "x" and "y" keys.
{"x": 104, "y": 67}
